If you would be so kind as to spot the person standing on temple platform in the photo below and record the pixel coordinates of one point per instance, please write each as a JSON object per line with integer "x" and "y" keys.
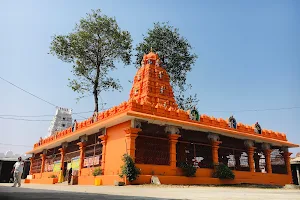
{"x": 69, "y": 175}
{"x": 74, "y": 125}
{"x": 17, "y": 172}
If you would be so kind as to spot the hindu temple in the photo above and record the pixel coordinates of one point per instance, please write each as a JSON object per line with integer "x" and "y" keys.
{"x": 159, "y": 136}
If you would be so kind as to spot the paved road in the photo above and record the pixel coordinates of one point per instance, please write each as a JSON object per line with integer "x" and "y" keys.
{"x": 44, "y": 192}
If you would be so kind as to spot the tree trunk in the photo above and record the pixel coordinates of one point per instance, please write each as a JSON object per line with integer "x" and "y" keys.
{"x": 96, "y": 100}
{"x": 95, "y": 92}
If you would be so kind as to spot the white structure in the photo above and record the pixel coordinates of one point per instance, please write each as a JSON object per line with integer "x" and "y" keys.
{"x": 61, "y": 120}
{"x": 10, "y": 156}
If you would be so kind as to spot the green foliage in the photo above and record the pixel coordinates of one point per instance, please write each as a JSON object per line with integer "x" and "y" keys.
{"x": 93, "y": 47}
{"x": 188, "y": 169}
{"x": 223, "y": 172}
{"x": 175, "y": 53}
{"x": 129, "y": 169}
{"x": 97, "y": 171}
{"x": 52, "y": 176}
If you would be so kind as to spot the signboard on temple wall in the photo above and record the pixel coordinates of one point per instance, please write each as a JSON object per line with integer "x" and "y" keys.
{"x": 91, "y": 161}
{"x": 75, "y": 163}
{"x": 69, "y": 166}
{"x": 56, "y": 166}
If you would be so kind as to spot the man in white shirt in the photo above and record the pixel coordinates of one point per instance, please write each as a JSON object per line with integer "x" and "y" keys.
{"x": 18, "y": 170}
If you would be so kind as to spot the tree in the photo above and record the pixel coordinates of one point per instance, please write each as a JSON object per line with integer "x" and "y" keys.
{"x": 93, "y": 47}
{"x": 176, "y": 56}
{"x": 129, "y": 169}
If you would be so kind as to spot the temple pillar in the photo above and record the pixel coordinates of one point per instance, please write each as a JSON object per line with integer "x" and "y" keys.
{"x": 43, "y": 157}
{"x": 103, "y": 139}
{"x": 31, "y": 164}
{"x": 267, "y": 153}
{"x": 82, "y": 144}
{"x": 215, "y": 151}
{"x": 173, "y": 139}
{"x": 214, "y": 138}
{"x": 62, "y": 154}
{"x": 131, "y": 135}
{"x": 287, "y": 161}
{"x": 81, "y": 155}
{"x": 250, "y": 146}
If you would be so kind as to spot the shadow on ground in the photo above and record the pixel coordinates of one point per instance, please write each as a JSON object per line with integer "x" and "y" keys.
{"x": 9, "y": 193}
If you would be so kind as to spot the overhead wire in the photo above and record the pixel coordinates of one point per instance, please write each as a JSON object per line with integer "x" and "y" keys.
{"x": 33, "y": 95}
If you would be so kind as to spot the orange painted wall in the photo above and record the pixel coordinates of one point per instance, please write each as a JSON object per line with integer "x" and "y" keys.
{"x": 115, "y": 148}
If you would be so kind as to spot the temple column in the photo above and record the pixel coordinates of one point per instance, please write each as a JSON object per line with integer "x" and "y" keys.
{"x": 250, "y": 146}
{"x": 214, "y": 138}
{"x": 62, "y": 159}
{"x": 287, "y": 161}
{"x": 103, "y": 139}
{"x": 43, "y": 157}
{"x": 267, "y": 153}
{"x": 31, "y": 164}
{"x": 81, "y": 155}
{"x": 62, "y": 154}
{"x": 82, "y": 144}
{"x": 173, "y": 139}
{"x": 131, "y": 135}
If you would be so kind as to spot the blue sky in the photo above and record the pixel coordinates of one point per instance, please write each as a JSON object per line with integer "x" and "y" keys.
{"x": 248, "y": 58}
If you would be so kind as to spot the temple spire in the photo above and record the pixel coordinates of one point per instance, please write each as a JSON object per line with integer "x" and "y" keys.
{"x": 152, "y": 83}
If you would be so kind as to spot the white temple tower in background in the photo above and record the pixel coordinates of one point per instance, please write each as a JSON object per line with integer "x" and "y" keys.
{"x": 61, "y": 120}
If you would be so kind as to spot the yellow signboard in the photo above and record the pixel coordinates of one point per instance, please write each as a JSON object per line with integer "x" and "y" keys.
{"x": 69, "y": 166}
{"x": 56, "y": 167}
{"x": 75, "y": 163}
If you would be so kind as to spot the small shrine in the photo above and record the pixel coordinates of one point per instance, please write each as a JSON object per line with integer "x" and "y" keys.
{"x": 160, "y": 137}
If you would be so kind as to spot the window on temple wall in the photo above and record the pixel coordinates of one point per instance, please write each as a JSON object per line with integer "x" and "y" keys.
{"x": 277, "y": 162}
{"x": 93, "y": 151}
{"x": 152, "y": 145}
{"x": 194, "y": 148}
{"x": 36, "y": 165}
{"x": 233, "y": 153}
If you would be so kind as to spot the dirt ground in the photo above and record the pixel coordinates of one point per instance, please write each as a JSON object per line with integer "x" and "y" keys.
{"x": 59, "y": 191}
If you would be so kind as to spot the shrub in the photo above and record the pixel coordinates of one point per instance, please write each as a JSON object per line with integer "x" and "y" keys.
{"x": 223, "y": 172}
{"x": 52, "y": 176}
{"x": 129, "y": 169}
{"x": 189, "y": 170}
{"x": 97, "y": 171}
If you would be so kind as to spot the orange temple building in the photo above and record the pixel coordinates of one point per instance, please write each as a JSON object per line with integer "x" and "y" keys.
{"x": 159, "y": 136}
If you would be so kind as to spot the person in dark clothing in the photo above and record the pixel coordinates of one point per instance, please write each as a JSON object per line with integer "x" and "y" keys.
{"x": 69, "y": 175}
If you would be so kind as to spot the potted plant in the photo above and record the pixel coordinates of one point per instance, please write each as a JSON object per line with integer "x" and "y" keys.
{"x": 97, "y": 172}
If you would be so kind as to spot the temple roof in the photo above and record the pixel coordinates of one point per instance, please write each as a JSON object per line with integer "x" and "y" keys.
{"x": 151, "y": 97}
